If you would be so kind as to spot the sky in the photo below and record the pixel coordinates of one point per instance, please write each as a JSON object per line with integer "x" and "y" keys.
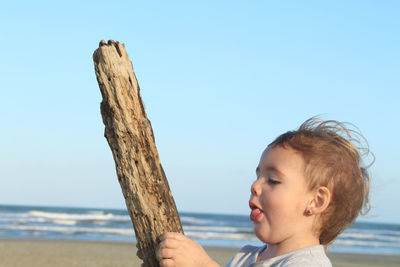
{"x": 220, "y": 80}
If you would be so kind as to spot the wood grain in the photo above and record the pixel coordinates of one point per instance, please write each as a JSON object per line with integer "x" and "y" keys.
{"x": 130, "y": 136}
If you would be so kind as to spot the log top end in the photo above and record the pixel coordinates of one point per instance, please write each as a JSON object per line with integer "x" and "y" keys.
{"x": 109, "y": 46}
{"x": 110, "y": 42}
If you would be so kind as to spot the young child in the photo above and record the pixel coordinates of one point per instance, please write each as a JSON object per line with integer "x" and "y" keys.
{"x": 311, "y": 184}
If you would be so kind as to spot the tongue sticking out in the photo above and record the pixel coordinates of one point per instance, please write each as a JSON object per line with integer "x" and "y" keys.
{"x": 255, "y": 215}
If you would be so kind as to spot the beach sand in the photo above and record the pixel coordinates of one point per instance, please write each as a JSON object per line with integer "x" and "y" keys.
{"x": 34, "y": 253}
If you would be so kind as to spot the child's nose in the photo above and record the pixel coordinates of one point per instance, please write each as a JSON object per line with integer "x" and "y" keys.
{"x": 255, "y": 188}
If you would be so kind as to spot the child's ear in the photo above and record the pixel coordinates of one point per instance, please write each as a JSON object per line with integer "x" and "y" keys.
{"x": 322, "y": 198}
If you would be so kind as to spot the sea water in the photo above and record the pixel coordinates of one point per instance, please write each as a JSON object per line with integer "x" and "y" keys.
{"x": 208, "y": 229}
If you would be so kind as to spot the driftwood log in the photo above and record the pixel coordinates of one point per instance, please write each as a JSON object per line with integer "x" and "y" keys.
{"x": 130, "y": 136}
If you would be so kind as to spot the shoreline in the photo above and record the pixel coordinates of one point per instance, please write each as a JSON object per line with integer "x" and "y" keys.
{"x": 63, "y": 253}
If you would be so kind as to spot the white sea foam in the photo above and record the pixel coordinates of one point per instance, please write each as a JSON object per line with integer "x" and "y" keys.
{"x": 216, "y": 228}
{"x": 65, "y": 222}
{"x": 366, "y": 236}
{"x": 12, "y": 217}
{"x": 75, "y": 216}
{"x": 340, "y": 242}
{"x": 71, "y": 230}
{"x": 193, "y": 220}
{"x": 23, "y": 220}
{"x": 374, "y": 231}
{"x": 102, "y": 223}
{"x": 222, "y": 236}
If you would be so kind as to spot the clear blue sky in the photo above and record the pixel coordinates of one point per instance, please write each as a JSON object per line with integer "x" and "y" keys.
{"x": 220, "y": 80}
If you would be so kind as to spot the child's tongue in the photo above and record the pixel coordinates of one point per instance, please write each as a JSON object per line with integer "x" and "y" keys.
{"x": 255, "y": 215}
{"x": 255, "y": 212}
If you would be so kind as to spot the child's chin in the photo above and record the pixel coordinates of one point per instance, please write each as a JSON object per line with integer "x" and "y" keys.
{"x": 261, "y": 235}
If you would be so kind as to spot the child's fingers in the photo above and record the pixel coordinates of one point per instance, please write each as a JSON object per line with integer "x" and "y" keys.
{"x": 169, "y": 243}
{"x": 172, "y": 235}
{"x": 164, "y": 253}
{"x": 167, "y": 263}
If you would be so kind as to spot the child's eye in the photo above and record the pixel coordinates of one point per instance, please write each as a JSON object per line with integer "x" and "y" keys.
{"x": 272, "y": 181}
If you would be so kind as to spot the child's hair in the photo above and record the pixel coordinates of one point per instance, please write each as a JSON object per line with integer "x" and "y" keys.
{"x": 333, "y": 154}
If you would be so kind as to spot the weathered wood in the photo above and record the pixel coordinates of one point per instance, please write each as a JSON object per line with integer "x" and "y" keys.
{"x": 130, "y": 136}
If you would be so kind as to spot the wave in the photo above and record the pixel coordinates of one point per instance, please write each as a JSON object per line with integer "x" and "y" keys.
{"x": 364, "y": 236}
{"x": 221, "y": 236}
{"x": 17, "y": 218}
{"x": 65, "y": 222}
{"x": 195, "y": 221}
{"x": 70, "y": 230}
{"x": 75, "y": 216}
{"x": 218, "y": 229}
{"x": 208, "y": 229}
{"x": 43, "y": 230}
{"x": 351, "y": 243}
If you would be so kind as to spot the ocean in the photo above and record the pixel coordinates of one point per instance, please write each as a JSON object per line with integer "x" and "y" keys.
{"x": 31, "y": 222}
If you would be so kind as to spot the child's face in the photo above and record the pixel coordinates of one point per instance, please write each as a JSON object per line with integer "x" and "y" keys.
{"x": 279, "y": 197}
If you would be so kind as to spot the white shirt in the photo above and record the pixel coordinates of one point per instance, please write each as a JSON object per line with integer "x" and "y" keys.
{"x": 313, "y": 256}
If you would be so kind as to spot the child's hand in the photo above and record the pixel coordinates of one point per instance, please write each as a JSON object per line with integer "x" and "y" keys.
{"x": 176, "y": 250}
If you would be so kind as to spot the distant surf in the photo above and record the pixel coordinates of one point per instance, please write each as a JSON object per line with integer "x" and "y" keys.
{"x": 34, "y": 222}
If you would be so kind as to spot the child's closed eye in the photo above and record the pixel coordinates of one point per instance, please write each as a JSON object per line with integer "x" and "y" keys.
{"x": 273, "y": 182}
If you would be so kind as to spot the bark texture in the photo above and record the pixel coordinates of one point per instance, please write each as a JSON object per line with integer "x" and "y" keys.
{"x": 130, "y": 136}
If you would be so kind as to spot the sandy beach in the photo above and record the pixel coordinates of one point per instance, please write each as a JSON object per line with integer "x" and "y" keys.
{"x": 59, "y": 253}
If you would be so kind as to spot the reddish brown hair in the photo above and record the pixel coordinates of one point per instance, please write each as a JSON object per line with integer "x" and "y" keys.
{"x": 333, "y": 153}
